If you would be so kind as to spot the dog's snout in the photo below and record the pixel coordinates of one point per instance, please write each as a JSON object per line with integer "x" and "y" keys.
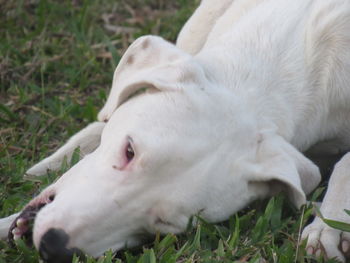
{"x": 53, "y": 247}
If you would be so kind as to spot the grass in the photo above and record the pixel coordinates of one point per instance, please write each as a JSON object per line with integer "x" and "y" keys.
{"x": 56, "y": 64}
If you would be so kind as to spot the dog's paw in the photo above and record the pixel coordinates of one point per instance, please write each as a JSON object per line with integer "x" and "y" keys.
{"x": 44, "y": 166}
{"x": 37, "y": 170}
{"x": 325, "y": 241}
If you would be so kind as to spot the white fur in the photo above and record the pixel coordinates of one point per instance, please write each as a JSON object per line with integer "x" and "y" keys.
{"x": 216, "y": 122}
{"x": 5, "y": 224}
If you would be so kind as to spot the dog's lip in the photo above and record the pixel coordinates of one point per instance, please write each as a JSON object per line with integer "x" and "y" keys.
{"x": 22, "y": 226}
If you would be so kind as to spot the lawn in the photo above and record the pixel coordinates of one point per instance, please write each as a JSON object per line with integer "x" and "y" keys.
{"x": 56, "y": 65}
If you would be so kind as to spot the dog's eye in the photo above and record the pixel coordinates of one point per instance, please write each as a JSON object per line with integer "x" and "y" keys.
{"x": 129, "y": 152}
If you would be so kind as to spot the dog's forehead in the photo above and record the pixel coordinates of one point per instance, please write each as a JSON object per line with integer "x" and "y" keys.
{"x": 161, "y": 104}
{"x": 149, "y": 113}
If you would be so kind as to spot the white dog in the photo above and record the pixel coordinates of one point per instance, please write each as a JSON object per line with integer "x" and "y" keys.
{"x": 205, "y": 127}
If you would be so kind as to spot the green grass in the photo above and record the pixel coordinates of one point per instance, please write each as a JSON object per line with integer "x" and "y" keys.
{"x": 56, "y": 64}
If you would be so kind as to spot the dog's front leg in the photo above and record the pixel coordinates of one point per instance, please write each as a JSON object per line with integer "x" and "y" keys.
{"x": 5, "y": 224}
{"x": 87, "y": 140}
{"x": 321, "y": 237}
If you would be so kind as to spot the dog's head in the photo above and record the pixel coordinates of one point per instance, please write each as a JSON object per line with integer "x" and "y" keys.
{"x": 174, "y": 145}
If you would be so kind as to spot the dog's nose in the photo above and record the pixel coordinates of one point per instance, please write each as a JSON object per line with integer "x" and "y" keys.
{"x": 53, "y": 247}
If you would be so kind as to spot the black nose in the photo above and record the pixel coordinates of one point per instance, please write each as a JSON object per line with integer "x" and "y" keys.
{"x": 53, "y": 247}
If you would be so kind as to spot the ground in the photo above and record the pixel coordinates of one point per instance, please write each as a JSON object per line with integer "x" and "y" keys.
{"x": 56, "y": 64}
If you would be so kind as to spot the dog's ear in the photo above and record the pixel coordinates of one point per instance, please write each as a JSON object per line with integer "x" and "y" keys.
{"x": 150, "y": 63}
{"x": 284, "y": 168}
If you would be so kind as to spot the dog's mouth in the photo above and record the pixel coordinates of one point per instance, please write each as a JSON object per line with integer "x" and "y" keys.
{"x": 22, "y": 226}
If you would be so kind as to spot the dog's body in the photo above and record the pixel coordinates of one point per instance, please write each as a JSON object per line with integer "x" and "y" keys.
{"x": 250, "y": 85}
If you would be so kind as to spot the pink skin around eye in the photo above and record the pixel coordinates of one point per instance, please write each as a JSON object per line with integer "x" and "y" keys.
{"x": 125, "y": 160}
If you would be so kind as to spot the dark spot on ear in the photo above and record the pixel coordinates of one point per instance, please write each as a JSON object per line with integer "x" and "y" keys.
{"x": 145, "y": 44}
{"x": 130, "y": 59}
{"x": 105, "y": 120}
{"x": 115, "y": 167}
